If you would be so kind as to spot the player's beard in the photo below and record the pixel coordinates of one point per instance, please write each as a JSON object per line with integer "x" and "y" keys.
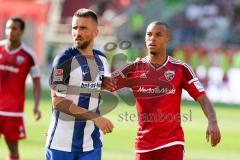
{"x": 83, "y": 45}
{"x": 153, "y": 53}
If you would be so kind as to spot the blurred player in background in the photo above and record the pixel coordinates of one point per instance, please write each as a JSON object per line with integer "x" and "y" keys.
{"x": 16, "y": 61}
{"x": 157, "y": 82}
{"x": 76, "y": 81}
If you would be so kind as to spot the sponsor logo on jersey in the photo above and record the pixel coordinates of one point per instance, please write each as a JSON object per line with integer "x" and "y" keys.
{"x": 85, "y": 73}
{"x": 9, "y": 68}
{"x": 169, "y": 75}
{"x": 143, "y": 75}
{"x": 61, "y": 88}
{"x": 156, "y": 90}
{"x": 199, "y": 86}
{"x": 91, "y": 85}
{"x": 20, "y": 60}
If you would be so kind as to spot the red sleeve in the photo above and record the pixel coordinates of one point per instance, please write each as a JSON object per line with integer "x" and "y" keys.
{"x": 34, "y": 70}
{"x": 121, "y": 76}
{"x": 191, "y": 83}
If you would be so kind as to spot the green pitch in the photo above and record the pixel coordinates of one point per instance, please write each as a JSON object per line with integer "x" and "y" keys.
{"x": 119, "y": 145}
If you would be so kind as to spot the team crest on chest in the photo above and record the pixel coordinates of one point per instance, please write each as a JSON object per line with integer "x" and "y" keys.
{"x": 20, "y": 60}
{"x": 169, "y": 75}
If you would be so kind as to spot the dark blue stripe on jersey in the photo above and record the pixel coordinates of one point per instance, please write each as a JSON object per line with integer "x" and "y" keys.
{"x": 99, "y": 64}
{"x": 78, "y": 134}
{"x": 96, "y": 133}
{"x": 55, "y": 126}
{"x": 82, "y": 60}
{"x": 99, "y": 53}
{"x": 63, "y": 61}
{"x": 83, "y": 101}
{"x": 96, "y": 137}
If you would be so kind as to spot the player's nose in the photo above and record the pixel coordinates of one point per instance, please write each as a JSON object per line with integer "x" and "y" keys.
{"x": 79, "y": 32}
{"x": 152, "y": 38}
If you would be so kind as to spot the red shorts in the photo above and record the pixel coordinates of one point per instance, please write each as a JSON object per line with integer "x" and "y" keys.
{"x": 169, "y": 153}
{"x": 12, "y": 128}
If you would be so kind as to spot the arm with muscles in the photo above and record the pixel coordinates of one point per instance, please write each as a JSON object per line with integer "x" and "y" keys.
{"x": 213, "y": 131}
{"x": 35, "y": 74}
{"x": 67, "y": 106}
{"x": 59, "y": 80}
{"x": 118, "y": 78}
{"x": 196, "y": 90}
{"x": 37, "y": 96}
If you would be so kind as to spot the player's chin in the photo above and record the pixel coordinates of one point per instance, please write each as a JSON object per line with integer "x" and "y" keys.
{"x": 152, "y": 51}
{"x": 78, "y": 44}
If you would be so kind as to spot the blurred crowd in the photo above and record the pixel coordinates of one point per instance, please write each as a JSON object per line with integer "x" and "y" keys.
{"x": 209, "y": 22}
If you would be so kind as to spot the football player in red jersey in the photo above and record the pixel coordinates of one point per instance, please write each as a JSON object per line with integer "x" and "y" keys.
{"x": 157, "y": 82}
{"x": 16, "y": 61}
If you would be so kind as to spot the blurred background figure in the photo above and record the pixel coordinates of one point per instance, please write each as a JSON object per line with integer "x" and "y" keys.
{"x": 16, "y": 61}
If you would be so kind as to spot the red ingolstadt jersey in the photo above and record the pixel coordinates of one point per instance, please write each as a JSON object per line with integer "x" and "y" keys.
{"x": 14, "y": 68}
{"x": 158, "y": 91}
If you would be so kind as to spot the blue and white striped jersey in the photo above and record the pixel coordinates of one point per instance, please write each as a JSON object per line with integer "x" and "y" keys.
{"x": 77, "y": 78}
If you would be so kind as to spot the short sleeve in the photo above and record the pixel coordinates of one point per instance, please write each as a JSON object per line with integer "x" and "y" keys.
{"x": 191, "y": 83}
{"x": 60, "y": 75}
{"x": 34, "y": 69}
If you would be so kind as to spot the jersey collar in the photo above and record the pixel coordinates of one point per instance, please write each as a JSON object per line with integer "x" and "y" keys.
{"x": 12, "y": 51}
{"x": 157, "y": 68}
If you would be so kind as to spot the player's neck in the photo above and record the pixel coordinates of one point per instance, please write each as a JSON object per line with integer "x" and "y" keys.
{"x": 87, "y": 51}
{"x": 12, "y": 45}
{"x": 157, "y": 58}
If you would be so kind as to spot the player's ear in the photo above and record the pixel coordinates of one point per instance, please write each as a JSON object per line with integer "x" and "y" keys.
{"x": 96, "y": 32}
{"x": 168, "y": 37}
{"x": 22, "y": 32}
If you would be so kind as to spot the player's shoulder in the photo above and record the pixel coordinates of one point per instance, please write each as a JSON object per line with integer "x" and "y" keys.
{"x": 64, "y": 56}
{"x": 179, "y": 63}
{"x": 27, "y": 49}
{"x": 142, "y": 60}
{"x": 99, "y": 53}
{"x": 175, "y": 61}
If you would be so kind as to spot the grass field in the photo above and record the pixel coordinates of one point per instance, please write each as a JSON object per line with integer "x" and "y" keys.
{"x": 119, "y": 145}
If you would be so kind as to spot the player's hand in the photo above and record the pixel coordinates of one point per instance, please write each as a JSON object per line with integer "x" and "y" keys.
{"x": 104, "y": 124}
{"x": 108, "y": 84}
{"x": 37, "y": 113}
{"x": 213, "y": 133}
